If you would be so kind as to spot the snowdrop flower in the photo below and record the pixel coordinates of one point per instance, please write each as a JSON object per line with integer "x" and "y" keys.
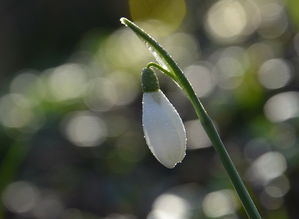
{"x": 163, "y": 128}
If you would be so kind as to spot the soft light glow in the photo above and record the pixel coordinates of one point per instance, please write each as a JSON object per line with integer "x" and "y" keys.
{"x": 274, "y": 20}
{"x": 230, "y": 65}
{"x": 101, "y": 94}
{"x": 170, "y": 12}
{"x": 230, "y": 73}
{"x": 16, "y": 111}
{"x": 85, "y": 129}
{"x": 271, "y": 10}
{"x": 20, "y": 197}
{"x": 183, "y": 48}
{"x": 202, "y": 79}
{"x": 282, "y": 106}
{"x": 219, "y": 203}
{"x": 226, "y": 20}
{"x": 116, "y": 89}
{"x": 123, "y": 43}
{"x": 196, "y": 135}
{"x": 267, "y": 167}
{"x": 24, "y": 82}
{"x": 169, "y": 206}
{"x": 261, "y": 51}
{"x": 274, "y": 73}
{"x": 67, "y": 82}
{"x": 278, "y": 187}
{"x": 126, "y": 86}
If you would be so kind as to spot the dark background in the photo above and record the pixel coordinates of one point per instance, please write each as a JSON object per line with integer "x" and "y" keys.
{"x": 71, "y": 139}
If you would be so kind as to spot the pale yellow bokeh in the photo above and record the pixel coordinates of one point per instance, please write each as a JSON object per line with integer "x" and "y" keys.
{"x": 167, "y": 12}
{"x": 229, "y": 21}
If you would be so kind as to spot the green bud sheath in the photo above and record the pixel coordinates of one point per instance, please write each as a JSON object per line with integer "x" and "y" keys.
{"x": 149, "y": 80}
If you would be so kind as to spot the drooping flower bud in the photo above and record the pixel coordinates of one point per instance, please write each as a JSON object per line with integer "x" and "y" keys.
{"x": 149, "y": 80}
{"x": 163, "y": 128}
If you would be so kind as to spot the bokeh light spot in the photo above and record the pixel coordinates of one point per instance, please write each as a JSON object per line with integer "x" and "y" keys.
{"x": 196, "y": 135}
{"x": 101, "y": 94}
{"x": 282, "y": 106}
{"x": 20, "y": 197}
{"x": 123, "y": 43}
{"x": 169, "y": 206}
{"x": 23, "y": 82}
{"x": 202, "y": 79}
{"x": 230, "y": 73}
{"x": 267, "y": 167}
{"x": 16, "y": 111}
{"x": 117, "y": 89}
{"x": 183, "y": 47}
{"x": 169, "y": 12}
{"x": 219, "y": 203}
{"x": 278, "y": 187}
{"x": 230, "y": 20}
{"x": 274, "y": 73}
{"x": 274, "y": 21}
{"x": 85, "y": 129}
{"x": 67, "y": 82}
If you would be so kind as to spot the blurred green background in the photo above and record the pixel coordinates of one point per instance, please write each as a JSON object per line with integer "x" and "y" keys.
{"x": 71, "y": 139}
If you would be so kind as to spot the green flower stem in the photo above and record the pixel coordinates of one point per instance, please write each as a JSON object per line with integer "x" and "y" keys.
{"x": 177, "y": 75}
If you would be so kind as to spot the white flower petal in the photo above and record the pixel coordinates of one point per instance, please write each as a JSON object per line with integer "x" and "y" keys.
{"x": 163, "y": 128}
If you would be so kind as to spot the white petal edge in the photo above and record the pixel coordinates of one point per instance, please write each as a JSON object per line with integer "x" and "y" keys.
{"x": 163, "y": 129}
